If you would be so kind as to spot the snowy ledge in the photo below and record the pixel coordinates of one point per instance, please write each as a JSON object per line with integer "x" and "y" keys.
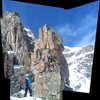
{"x": 25, "y": 98}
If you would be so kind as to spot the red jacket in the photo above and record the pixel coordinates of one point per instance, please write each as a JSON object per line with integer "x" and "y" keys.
{"x": 24, "y": 81}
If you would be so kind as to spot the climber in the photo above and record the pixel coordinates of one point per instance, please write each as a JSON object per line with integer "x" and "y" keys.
{"x": 27, "y": 84}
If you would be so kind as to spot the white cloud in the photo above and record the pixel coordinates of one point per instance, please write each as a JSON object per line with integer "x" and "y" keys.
{"x": 86, "y": 40}
{"x": 88, "y": 26}
{"x": 65, "y": 30}
{"x": 85, "y": 31}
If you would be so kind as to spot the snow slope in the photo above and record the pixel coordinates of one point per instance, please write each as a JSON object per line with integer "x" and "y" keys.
{"x": 80, "y": 60}
{"x": 24, "y": 98}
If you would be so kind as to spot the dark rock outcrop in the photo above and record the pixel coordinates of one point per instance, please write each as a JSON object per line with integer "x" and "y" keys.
{"x": 8, "y": 65}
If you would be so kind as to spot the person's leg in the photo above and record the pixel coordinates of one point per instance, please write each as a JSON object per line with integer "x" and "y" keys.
{"x": 30, "y": 91}
{"x": 25, "y": 92}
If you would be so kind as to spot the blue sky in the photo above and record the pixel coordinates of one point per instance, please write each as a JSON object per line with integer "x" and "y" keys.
{"x": 76, "y": 26}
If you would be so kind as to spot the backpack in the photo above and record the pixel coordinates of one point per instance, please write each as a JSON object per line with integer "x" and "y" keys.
{"x": 24, "y": 81}
{"x": 27, "y": 81}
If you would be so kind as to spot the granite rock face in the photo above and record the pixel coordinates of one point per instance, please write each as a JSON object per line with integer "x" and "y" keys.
{"x": 16, "y": 40}
{"x": 49, "y": 65}
{"x": 15, "y": 37}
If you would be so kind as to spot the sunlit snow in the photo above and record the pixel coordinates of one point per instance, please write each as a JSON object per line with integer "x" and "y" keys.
{"x": 78, "y": 81}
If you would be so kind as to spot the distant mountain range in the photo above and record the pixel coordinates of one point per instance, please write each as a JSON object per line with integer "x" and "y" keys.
{"x": 80, "y": 60}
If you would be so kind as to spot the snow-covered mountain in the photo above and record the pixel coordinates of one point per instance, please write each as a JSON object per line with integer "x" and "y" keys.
{"x": 80, "y": 60}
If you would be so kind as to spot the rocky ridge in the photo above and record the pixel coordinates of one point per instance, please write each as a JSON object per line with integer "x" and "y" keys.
{"x": 15, "y": 41}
